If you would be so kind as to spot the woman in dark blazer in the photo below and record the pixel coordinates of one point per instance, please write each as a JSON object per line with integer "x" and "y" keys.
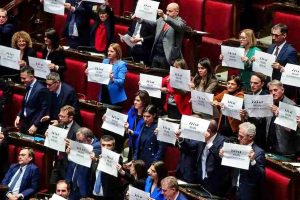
{"x": 102, "y": 32}
{"x": 54, "y": 52}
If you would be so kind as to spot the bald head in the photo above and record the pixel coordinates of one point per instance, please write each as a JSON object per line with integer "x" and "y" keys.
{"x": 173, "y": 10}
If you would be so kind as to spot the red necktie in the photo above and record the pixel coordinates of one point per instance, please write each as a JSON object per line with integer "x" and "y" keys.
{"x": 166, "y": 27}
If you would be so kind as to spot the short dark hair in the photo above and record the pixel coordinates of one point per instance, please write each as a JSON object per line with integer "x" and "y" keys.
{"x": 140, "y": 168}
{"x": 29, "y": 70}
{"x": 151, "y": 109}
{"x": 108, "y": 138}
{"x": 52, "y": 35}
{"x": 69, "y": 109}
{"x": 260, "y": 75}
{"x": 144, "y": 96}
{"x": 237, "y": 80}
{"x": 65, "y": 182}
{"x": 282, "y": 27}
{"x": 161, "y": 171}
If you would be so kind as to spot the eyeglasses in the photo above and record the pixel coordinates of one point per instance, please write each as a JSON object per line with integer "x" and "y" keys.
{"x": 50, "y": 84}
{"x": 2, "y": 16}
{"x": 242, "y": 38}
{"x": 276, "y": 35}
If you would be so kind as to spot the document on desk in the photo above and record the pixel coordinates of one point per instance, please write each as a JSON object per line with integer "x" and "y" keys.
{"x": 258, "y": 105}
{"x": 40, "y": 66}
{"x": 166, "y": 131}
{"x": 152, "y": 84}
{"x": 236, "y": 155}
{"x": 54, "y": 6}
{"x": 202, "y": 102}
{"x": 57, "y": 197}
{"x": 99, "y": 72}
{"x": 232, "y": 56}
{"x": 263, "y": 63}
{"x": 114, "y": 121}
{"x": 9, "y": 57}
{"x": 80, "y": 153}
{"x": 193, "y": 128}
{"x": 287, "y": 115}
{"x": 232, "y": 106}
{"x": 291, "y": 75}
{"x": 146, "y": 9}
{"x": 108, "y": 162}
{"x": 180, "y": 78}
{"x": 55, "y": 138}
{"x": 137, "y": 194}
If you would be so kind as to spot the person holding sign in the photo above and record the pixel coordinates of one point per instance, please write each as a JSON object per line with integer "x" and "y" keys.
{"x": 257, "y": 82}
{"x": 54, "y": 52}
{"x": 102, "y": 32}
{"x": 114, "y": 92}
{"x": 207, "y": 164}
{"x": 156, "y": 172}
{"x": 248, "y": 42}
{"x": 170, "y": 189}
{"x": 177, "y": 101}
{"x": 169, "y": 34}
{"x": 280, "y": 140}
{"x": 105, "y": 186}
{"x": 247, "y": 184}
{"x": 77, "y": 175}
{"x": 6, "y": 29}
{"x": 62, "y": 189}
{"x": 148, "y": 148}
{"x": 135, "y": 119}
{"x": 228, "y": 126}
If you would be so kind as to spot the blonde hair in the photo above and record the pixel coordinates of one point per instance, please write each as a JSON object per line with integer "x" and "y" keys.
{"x": 250, "y": 35}
{"x": 21, "y": 34}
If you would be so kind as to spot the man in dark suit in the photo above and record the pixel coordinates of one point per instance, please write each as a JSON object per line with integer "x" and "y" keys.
{"x": 35, "y": 104}
{"x": 169, "y": 34}
{"x": 66, "y": 121}
{"x": 170, "y": 189}
{"x": 247, "y": 184}
{"x": 6, "y": 29}
{"x": 208, "y": 170}
{"x": 6, "y": 94}
{"x": 283, "y": 51}
{"x": 77, "y": 25}
{"x": 61, "y": 94}
{"x": 77, "y": 175}
{"x": 3, "y": 154}
{"x": 23, "y": 177}
{"x": 107, "y": 187}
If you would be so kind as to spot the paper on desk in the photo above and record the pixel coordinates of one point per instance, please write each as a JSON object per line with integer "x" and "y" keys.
{"x": 295, "y": 164}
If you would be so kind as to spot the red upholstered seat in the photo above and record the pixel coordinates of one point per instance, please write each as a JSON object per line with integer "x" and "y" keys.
{"x": 293, "y": 23}
{"x": 116, "y": 5}
{"x": 122, "y": 29}
{"x": 91, "y": 121}
{"x": 192, "y": 11}
{"x": 40, "y": 161}
{"x": 277, "y": 185}
{"x": 190, "y": 58}
{"x": 75, "y": 76}
{"x": 92, "y": 91}
{"x": 12, "y": 156}
{"x": 59, "y": 22}
{"x": 260, "y": 14}
{"x": 39, "y": 54}
{"x": 128, "y": 6}
{"x": 131, "y": 88}
{"x": 171, "y": 159}
{"x": 13, "y": 108}
{"x": 1, "y": 93}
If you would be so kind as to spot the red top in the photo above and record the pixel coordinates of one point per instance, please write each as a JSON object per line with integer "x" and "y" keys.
{"x": 100, "y": 38}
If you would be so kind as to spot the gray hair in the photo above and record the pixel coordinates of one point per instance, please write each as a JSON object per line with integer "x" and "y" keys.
{"x": 171, "y": 182}
{"x": 249, "y": 128}
{"x": 54, "y": 76}
{"x": 86, "y": 132}
{"x": 275, "y": 82}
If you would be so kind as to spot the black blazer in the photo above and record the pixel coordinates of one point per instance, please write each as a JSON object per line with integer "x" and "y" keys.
{"x": 28, "y": 52}
{"x": 56, "y": 57}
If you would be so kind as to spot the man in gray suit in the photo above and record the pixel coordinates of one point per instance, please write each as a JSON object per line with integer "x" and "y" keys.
{"x": 280, "y": 140}
{"x": 169, "y": 33}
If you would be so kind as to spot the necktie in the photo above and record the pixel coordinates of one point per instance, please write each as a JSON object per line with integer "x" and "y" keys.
{"x": 277, "y": 51}
{"x": 136, "y": 30}
{"x": 203, "y": 163}
{"x": 166, "y": 27}
{"x": 98, "y": 183}
{"x": 75, "y": 177}
{"x": 13, "y": 184}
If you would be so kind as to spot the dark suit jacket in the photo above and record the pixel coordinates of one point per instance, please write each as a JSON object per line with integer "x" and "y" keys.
{"x": 3, "y": 156}
{"x": 37, "y": 106}
{"x": 28, "y": 52}
{"x": 142, "y": 52}
{"x": 67, "y": 96}
{"x": 57, "y": 57}
{"x": 251, "y": 180}
{"x": 181, "y": 197}
{"x": 6, "y": 32}
{"x": 286, "y": 55}
{"x": 30, "y": 180}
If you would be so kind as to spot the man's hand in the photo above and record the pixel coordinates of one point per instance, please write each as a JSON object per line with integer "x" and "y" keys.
{"x": 45, "y": 118}
{"x": 221, "y": 153}
{"x": 32, "y": 129}
{"x": 161, "y": 13}
{"x": 251, "y": 155}
{"x": 1, "y": 137}
{"x": 17, "y": 122}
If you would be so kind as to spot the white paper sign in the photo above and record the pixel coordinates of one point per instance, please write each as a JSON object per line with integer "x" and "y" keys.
{"x": 57, "y": 197}
{"x": 108, "y": 162}
{"x": 232, "y": 56}
{"x": 258, "y": 105}
{"x": 96, "y": 1}
{"x": 180, "y": 78}
{"x": 287, "y": 116}
{"x": 137, "y": 194}
{"x": 201, "y": 102}
{"x": 54, "y": 6}
{"x": 40, "y": 67}
{"x": 166, "y": 131}
{"x": 152, "y": 84}
{"x": 9, "y": 57}
{"x": 99, "y": 72}
{"x": 291, "y": 75}
{"x": 146, "y": 9}
{"x": 232, "y": 106}
{"x": 114, "y": 121}
{"x": 80, "y": 153}
{"x": 193, "y": 128}
{"x": 263, "y": 63}
{"x": 56, "y": 138}
{"x": 236, "y": 155}
{"x": 127, "y": 39}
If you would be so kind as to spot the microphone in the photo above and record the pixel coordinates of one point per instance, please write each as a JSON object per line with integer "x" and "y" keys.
{"x": 210, "y": 195}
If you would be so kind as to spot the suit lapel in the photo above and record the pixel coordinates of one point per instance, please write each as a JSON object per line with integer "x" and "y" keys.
{"x": 282, "y": 51}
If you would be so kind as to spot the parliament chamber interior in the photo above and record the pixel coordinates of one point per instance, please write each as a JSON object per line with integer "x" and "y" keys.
{"x": 210, "y": 24}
